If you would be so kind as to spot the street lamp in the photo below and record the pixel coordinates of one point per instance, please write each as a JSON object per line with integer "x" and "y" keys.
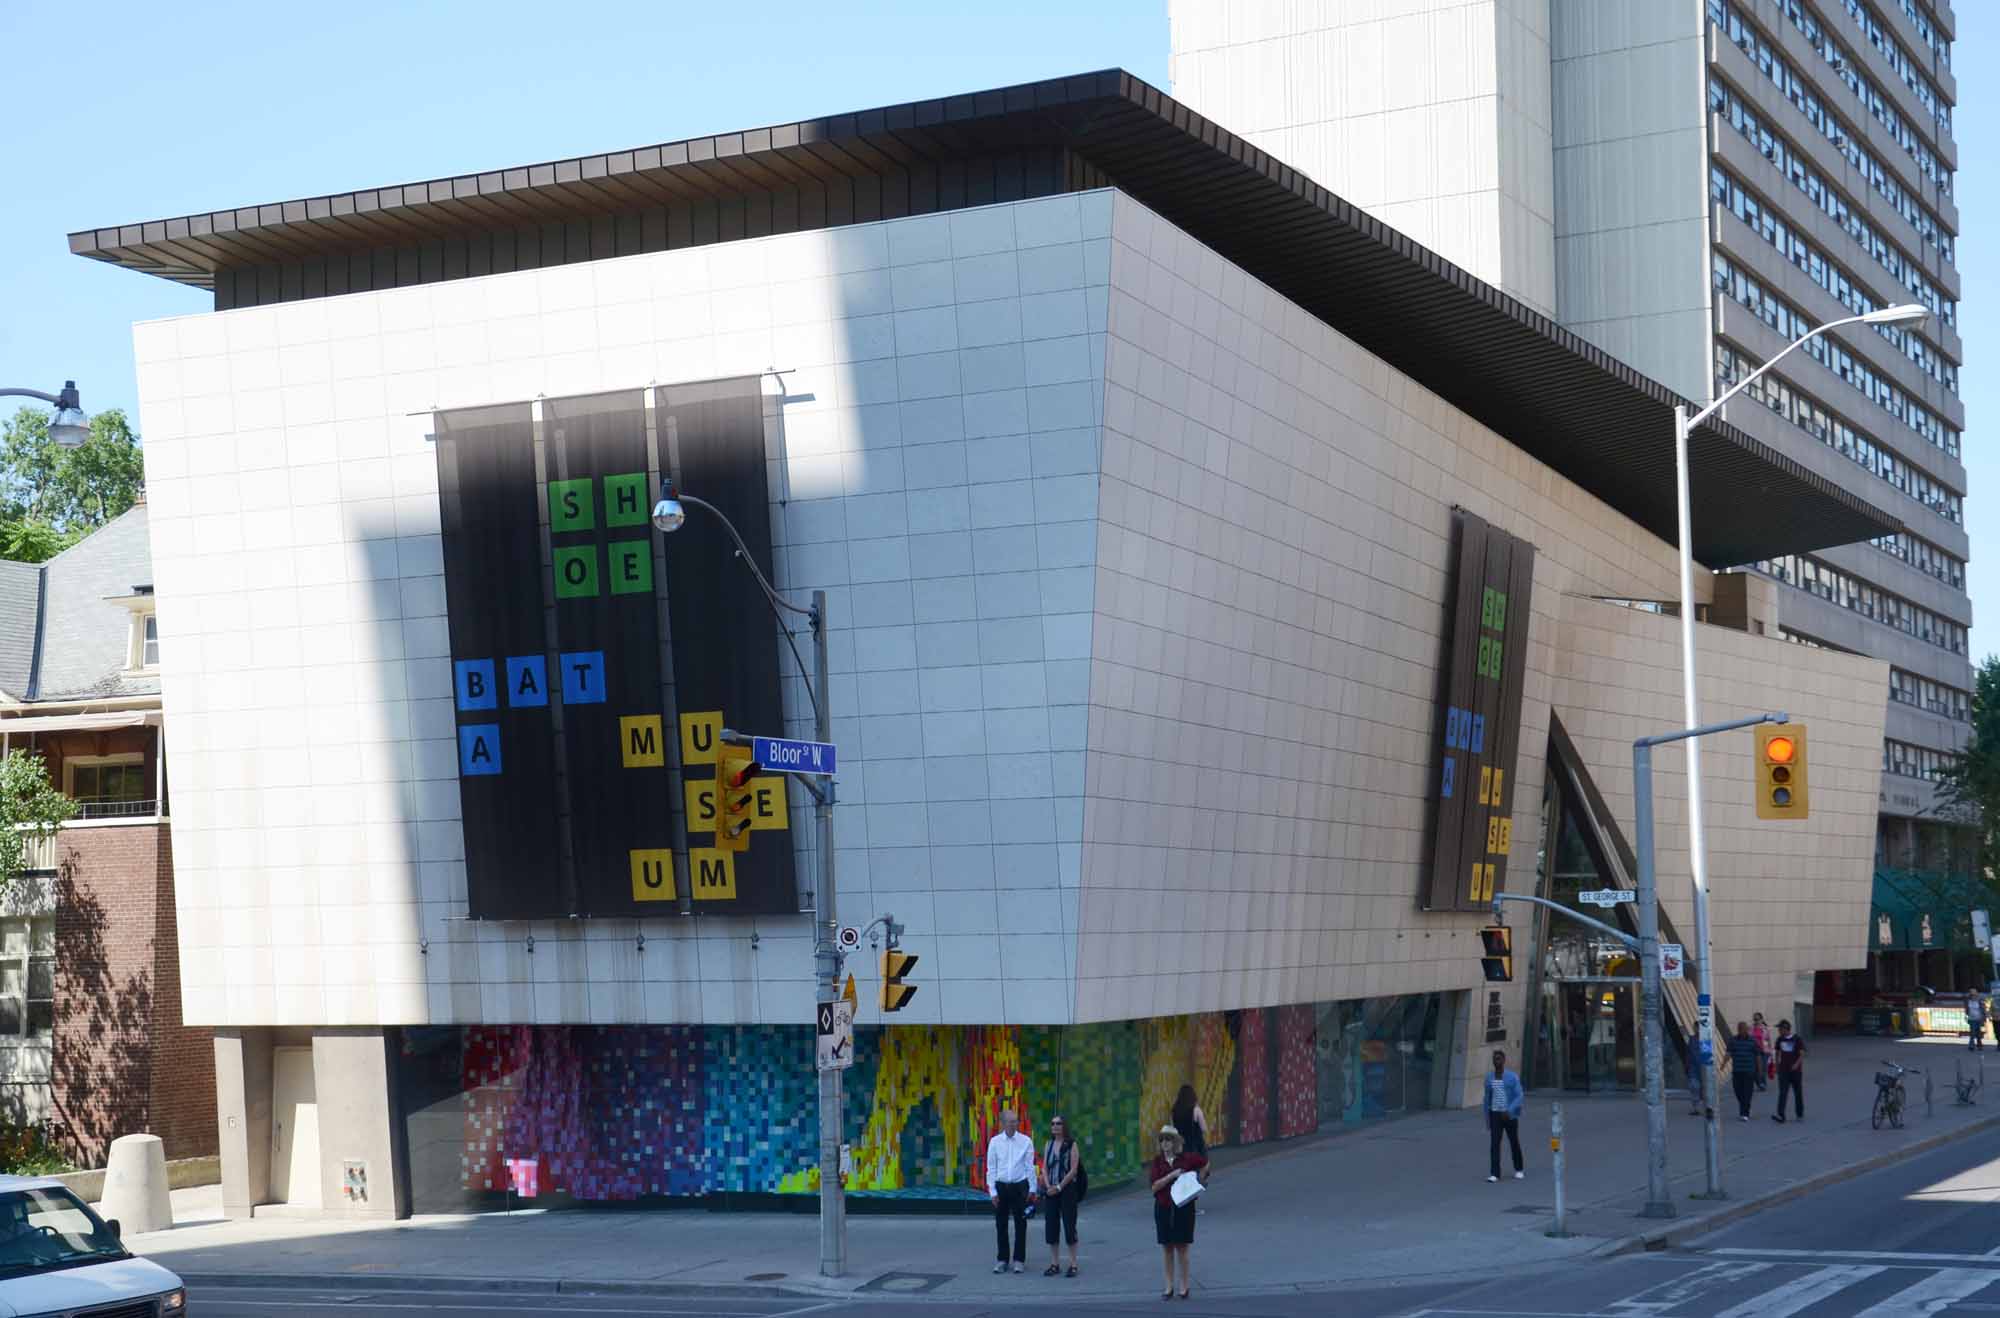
{"x": 669, "y": 515}
{"x": 69, "y": 427}
{"x": 1909, "y": 313}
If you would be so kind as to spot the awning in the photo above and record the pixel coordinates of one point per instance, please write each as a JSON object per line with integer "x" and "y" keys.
{"x": 1922, "y": 910}
{"x": 19, "y": 727}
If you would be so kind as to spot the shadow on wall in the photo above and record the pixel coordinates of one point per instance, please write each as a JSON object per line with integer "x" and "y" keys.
{"x": 103, "y": 1067}
{"x": 583, "y": 1114}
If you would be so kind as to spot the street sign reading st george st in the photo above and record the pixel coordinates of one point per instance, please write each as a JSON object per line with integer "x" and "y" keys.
{"x": 1607, "y": 896}
{"x": 780, "y": 755}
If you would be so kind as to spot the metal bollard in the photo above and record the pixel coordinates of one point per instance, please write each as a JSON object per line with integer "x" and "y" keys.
{"x": 1559, "y": 1231}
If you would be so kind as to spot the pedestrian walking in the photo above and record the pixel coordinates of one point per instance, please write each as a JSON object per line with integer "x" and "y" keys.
{"x": 1791, "y": 1050}
{"x": 1503, "y": 1116}
{"x": 1173, "y": 1224}
{"x": 1975, "y": 1021}
{"x": 1010, "y": 1181}
{"x": 1062, "y": 1191}
{"x": 1744, "y": 1060}
{"x": 1762, "y": 1034}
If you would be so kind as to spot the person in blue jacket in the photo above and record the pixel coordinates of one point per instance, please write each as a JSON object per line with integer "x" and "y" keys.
{"x": 1503, "y": 1114}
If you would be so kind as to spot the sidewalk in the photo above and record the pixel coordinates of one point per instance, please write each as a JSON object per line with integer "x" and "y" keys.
{"x": 1405, "y": 1200}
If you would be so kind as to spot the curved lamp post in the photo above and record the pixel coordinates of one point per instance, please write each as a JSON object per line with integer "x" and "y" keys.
{"x": 1909, "y": 313}
{"x": 669, "y": 515}
{"x": 69, "y": 428}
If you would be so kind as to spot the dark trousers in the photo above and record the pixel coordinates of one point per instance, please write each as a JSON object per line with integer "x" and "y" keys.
{"x": 1793, "y": 1083}
{"x": 1977, "y": 1035}
{"x": 1497, "y": 1125}
{"x": 1011, "y": 1201}
{"x": 1746, "y": 1089}
{"x": 1059, "y": 1215}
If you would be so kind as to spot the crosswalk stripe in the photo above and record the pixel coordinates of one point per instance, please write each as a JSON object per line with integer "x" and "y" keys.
{"x": 1910, "y": 1257}
{"x": 1686, "y": 1289}
{"x": 1933, "y": 1294}
{"x": 1801, "y": 1292}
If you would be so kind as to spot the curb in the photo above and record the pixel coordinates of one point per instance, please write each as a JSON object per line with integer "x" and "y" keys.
{"x": 378, "y": 1281}
{"x": 1674, "y": 1236}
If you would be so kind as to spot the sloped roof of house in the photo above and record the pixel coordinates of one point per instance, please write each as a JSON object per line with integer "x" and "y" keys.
{"x": 64, "y": 632}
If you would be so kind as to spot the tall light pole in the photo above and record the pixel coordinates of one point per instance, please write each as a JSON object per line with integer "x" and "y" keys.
{"x": 69, "y": 427}
{"x": 1908, "y": 313}
{"x": 668, "y": 515}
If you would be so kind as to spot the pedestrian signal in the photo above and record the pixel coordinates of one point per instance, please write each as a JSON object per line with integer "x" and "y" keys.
{"x": 896, "y": 994}
{"x": 1780, "y": 771}
{"x": 1498, "y": 961}
{"x": 735, "y": 798}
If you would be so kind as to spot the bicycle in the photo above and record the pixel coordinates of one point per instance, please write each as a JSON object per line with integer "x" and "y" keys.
{"x": 1890, "y": 1097}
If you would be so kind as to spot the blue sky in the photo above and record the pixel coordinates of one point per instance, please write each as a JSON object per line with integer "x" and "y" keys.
{"x": 114, "y": 122}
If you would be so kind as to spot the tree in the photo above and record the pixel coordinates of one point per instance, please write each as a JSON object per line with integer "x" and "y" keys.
{"x": 30, "y": 810}
{"x": 1969, "y": 787}
{"x": 50, "y": 496}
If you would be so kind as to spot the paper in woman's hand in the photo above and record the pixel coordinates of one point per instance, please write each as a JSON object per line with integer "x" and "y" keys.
{"x": 1185, "y": 1188}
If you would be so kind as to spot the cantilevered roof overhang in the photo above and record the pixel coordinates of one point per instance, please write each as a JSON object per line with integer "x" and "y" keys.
{"x": 1589, "y": 417}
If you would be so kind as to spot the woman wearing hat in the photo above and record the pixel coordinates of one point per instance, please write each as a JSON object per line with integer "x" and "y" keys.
{"x": 1173, "y": 1225}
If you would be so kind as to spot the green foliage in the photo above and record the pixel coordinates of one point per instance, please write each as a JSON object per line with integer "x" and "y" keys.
{"x": 1969, "y": 789}
{"x": 30, "y": 810}
{"x": 51, "y": 497}
{"x": 28, "y": 1151}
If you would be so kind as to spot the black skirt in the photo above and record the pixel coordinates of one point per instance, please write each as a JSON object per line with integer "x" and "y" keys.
{"x": 1173, "y": 1226}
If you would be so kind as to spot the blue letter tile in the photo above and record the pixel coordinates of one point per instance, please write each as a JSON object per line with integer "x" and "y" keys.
{"x": 583, "y": 677}
{"x": 474, "y": 678}
{"x": 527, "y": 680}
{"x": 478, "y": 749}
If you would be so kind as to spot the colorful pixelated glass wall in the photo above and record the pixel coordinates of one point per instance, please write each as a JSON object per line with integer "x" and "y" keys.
{"x": 603, "y": 1114}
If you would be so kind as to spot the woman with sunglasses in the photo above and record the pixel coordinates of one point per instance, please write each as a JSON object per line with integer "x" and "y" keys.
{"x": 1062, "y": 1164}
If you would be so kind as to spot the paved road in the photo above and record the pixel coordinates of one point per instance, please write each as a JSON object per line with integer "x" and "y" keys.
{"x": 1919, "y": 1238}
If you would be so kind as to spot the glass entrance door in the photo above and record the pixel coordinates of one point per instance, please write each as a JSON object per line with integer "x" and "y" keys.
{"x": 1596, "y": 1035}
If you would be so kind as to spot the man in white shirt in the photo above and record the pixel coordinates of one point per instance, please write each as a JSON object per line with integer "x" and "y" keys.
{"x": 1010, "y": 1171}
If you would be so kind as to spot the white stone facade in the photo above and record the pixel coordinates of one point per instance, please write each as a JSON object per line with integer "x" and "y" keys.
{"x": 1136, "y": 573}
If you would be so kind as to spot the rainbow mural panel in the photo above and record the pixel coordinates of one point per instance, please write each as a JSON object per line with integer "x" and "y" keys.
{"x": 618, "y": 1114}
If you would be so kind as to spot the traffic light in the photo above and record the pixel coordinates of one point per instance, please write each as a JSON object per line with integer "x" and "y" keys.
{"x": 1781, "y": 771}
{"x": 1498, "y": 962}
{"x": 896, "y": 994}
{"x": 735, "y": 798}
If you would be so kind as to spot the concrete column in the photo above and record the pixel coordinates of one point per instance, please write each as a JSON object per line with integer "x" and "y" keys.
{"x": 357, "y": 1137}
{"x": 243, "y": 1118}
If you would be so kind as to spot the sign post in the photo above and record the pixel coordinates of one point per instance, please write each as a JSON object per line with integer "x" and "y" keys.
{"x": 834, "y": 1038}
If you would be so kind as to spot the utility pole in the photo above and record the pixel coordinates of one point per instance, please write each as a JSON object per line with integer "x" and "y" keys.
{"x": 1658, "y": 1204}
{"x": 826, "y": 961}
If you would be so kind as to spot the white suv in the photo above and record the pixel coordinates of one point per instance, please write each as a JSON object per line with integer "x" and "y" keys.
{"x": 60, "y": 1260}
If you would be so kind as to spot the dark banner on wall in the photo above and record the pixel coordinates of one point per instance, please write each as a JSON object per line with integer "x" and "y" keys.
{"x": 607, "y": 670}
{"x": 490, "y": 512}
{"x": 725, "y": 642}
{"x": 1479, "y": 715}
{"x": 553, "y": 575}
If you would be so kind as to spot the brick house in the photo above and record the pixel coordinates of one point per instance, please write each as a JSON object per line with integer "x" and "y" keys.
{"x": 91, "y": 1038}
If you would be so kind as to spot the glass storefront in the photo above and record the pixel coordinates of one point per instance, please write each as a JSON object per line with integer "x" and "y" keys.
{"x": 1583, "y": 997}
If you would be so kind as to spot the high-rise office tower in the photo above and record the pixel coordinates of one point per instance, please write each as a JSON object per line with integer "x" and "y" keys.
{"x": 1689, "y": 184}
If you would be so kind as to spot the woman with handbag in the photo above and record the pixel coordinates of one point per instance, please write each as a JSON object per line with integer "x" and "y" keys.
{"x": 1063, "y": 1187}
{"x": 1173, "y": 1218}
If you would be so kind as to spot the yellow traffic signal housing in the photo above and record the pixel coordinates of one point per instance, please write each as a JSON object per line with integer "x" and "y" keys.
{"x": 896, "y": 994}
{"x": 1498, "y": 961}
{"x": 1780, "y": 771}
{"x": 735, "y": 798}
